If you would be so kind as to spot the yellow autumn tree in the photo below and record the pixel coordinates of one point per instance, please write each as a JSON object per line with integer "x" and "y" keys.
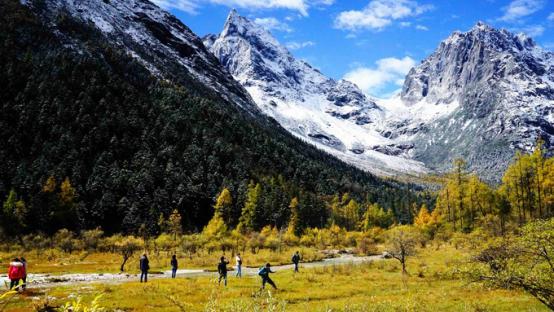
{"x": 427, "y": 223}
{"x": 175, "y": 224}
{"x": 248, "y": 214}
{"x": 217, "y": 228}
{"x": 293, "y": 227}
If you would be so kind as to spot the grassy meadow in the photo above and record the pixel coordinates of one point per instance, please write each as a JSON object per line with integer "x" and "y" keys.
{"x": 433, "y": 284}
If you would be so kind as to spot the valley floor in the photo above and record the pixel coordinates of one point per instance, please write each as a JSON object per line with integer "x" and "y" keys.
{"x": 433, "y": 285}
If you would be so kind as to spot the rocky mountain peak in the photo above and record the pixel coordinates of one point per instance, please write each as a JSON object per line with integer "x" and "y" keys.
{"x": 493, "y": 84}
{"x": 334, "y": 115}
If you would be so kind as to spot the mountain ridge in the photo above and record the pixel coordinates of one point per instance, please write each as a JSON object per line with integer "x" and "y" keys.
{"x": 335, "y": 116}
{"x": 452, "y": 105}
{"x": 81, "y": 107}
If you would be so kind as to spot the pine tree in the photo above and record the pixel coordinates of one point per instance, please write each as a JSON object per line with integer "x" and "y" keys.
{"x": 351, "y": 215}
{"x": 294, "y": 220}
{"x": 217, "y": 228}
{"x": 50, "y": 185}
{"x": 162, "y": 223}
{"x": 175, "y": 224}
{"x": 247, "y": 217}
{"x": 423, "y": 217}
{"x": 67, "y": 192}
{"x": 224, "y": 205}
{"x": 13, "y": 214}
{"x": 376, "y": 216}
{"x": 336, "y": 211}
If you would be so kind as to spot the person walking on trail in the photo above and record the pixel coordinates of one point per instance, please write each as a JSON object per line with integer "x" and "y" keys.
{"x": 24, "y": 278}
{"x": 238, "y": 260}
{"x": 144, "y": 265}
{"x": 15, "y": 273}
{"x": 296, "y": 260}
{"x": 264, "y": 274}
{"x": 222, "y": 270}
{"x": 174, "y": 266}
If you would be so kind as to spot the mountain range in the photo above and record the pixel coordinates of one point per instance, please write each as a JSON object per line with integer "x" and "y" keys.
{"x": 121, "y": 102}
{"x": 143, "y": 116}
{"x": 480, "y": 96}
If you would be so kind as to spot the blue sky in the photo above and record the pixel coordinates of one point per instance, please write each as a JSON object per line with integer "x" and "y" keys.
{"x": 370, "y": 42}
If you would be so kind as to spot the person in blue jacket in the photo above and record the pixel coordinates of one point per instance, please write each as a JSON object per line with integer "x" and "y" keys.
{"x": 174, "y": 266}
{"x": 264, "y": 274}
{"x": 144, "y": 265}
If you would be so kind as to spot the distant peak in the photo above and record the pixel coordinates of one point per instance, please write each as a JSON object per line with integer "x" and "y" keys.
{"x": 233, "y": 14}
{"x": 482, "y": 26}
{"x": 235, "y": 23}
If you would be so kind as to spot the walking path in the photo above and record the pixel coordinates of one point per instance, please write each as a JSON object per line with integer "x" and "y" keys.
{"x": 49, "y": 280}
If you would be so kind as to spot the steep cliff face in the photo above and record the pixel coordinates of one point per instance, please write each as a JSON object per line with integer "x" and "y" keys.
{"x": 492, "y": 91}
{"x": 333, "y": 115}
{"x": 123, "y": 102}
{"x": 155, "y": 38}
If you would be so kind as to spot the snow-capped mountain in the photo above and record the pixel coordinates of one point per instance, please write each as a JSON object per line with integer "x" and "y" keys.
{"x": 157, "y": 39}
{"x": 481, "y": 95}
{"x": 333, "y": 115}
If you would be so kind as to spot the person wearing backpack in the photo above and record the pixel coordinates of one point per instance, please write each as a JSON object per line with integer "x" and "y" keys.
{"x": 144, "y": 265}
{"x": 222, "y": 270}
{"x": 296, "y": 260}
{"x": 264, "y": 274}
{"x": 174, "y": 266}
{"x": 15, "y": 273}
{"x": 24, "y": 278}
{"x": 238, "y": 260}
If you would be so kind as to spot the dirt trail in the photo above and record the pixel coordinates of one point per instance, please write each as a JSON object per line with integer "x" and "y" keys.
{"x": 50, "y": 280}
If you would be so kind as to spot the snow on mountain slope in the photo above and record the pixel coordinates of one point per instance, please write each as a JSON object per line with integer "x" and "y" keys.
{"x": 335, "y": 116}
{"x": 167, "y": 47}
{"x": 481, "y": 95}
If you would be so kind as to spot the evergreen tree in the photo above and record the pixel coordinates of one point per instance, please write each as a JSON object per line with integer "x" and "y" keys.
{"x": 376, "y": 216}
{"x": 224, "y": 205}
{"x": 294, "y": 218}
{"x": 247, "y": 218}
{"x": 351, "y": 215}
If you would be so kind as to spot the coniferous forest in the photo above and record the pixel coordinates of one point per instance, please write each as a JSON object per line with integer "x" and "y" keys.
{"x": 103, "y": 162}
{"x": 92, "y": 139}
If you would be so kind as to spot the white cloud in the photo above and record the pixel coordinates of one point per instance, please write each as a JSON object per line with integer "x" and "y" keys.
{"x": 521, "y": 8}
{"x": 387, "y": 71}
{"x": 297, "y": 5}
{"x": 379, "y": 14}
{"x": 294, "y": 45}
{"x": 405, "y": 24}
{"x": 271, "y": 23}
{"x": 421, "y": 27}
{"x": 551, "y": 17}
{"x": 531, "y": 30}
{"x": 191, "y": 6}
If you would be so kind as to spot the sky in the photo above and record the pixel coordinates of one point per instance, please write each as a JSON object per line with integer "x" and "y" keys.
{"x": 372, "y": 43}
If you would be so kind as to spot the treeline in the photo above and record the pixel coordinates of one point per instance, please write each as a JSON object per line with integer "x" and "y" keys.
{"x": 131, "y": 147}
{"x": 526, "y": 193}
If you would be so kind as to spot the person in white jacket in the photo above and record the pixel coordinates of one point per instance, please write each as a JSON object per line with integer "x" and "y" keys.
{"x": 238, "y": 260}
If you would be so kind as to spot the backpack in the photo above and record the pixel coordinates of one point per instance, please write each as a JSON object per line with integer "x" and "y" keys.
{"x": 262, "y": 271}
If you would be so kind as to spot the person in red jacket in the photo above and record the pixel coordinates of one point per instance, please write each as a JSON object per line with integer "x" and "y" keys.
{"x": 15, "y": 273}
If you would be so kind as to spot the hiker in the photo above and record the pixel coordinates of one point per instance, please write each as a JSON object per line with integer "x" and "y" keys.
{"x": 264, "y": 273}
{"x": 238, "y": 259}
{"x": 222, "y": 270}
{"x": 144, "y": 267}
{"x": 24, "y": 278}
{"x": 296, "y": 260}
{"x": 15, "y": 273}
{"x": 174, "y": 266}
